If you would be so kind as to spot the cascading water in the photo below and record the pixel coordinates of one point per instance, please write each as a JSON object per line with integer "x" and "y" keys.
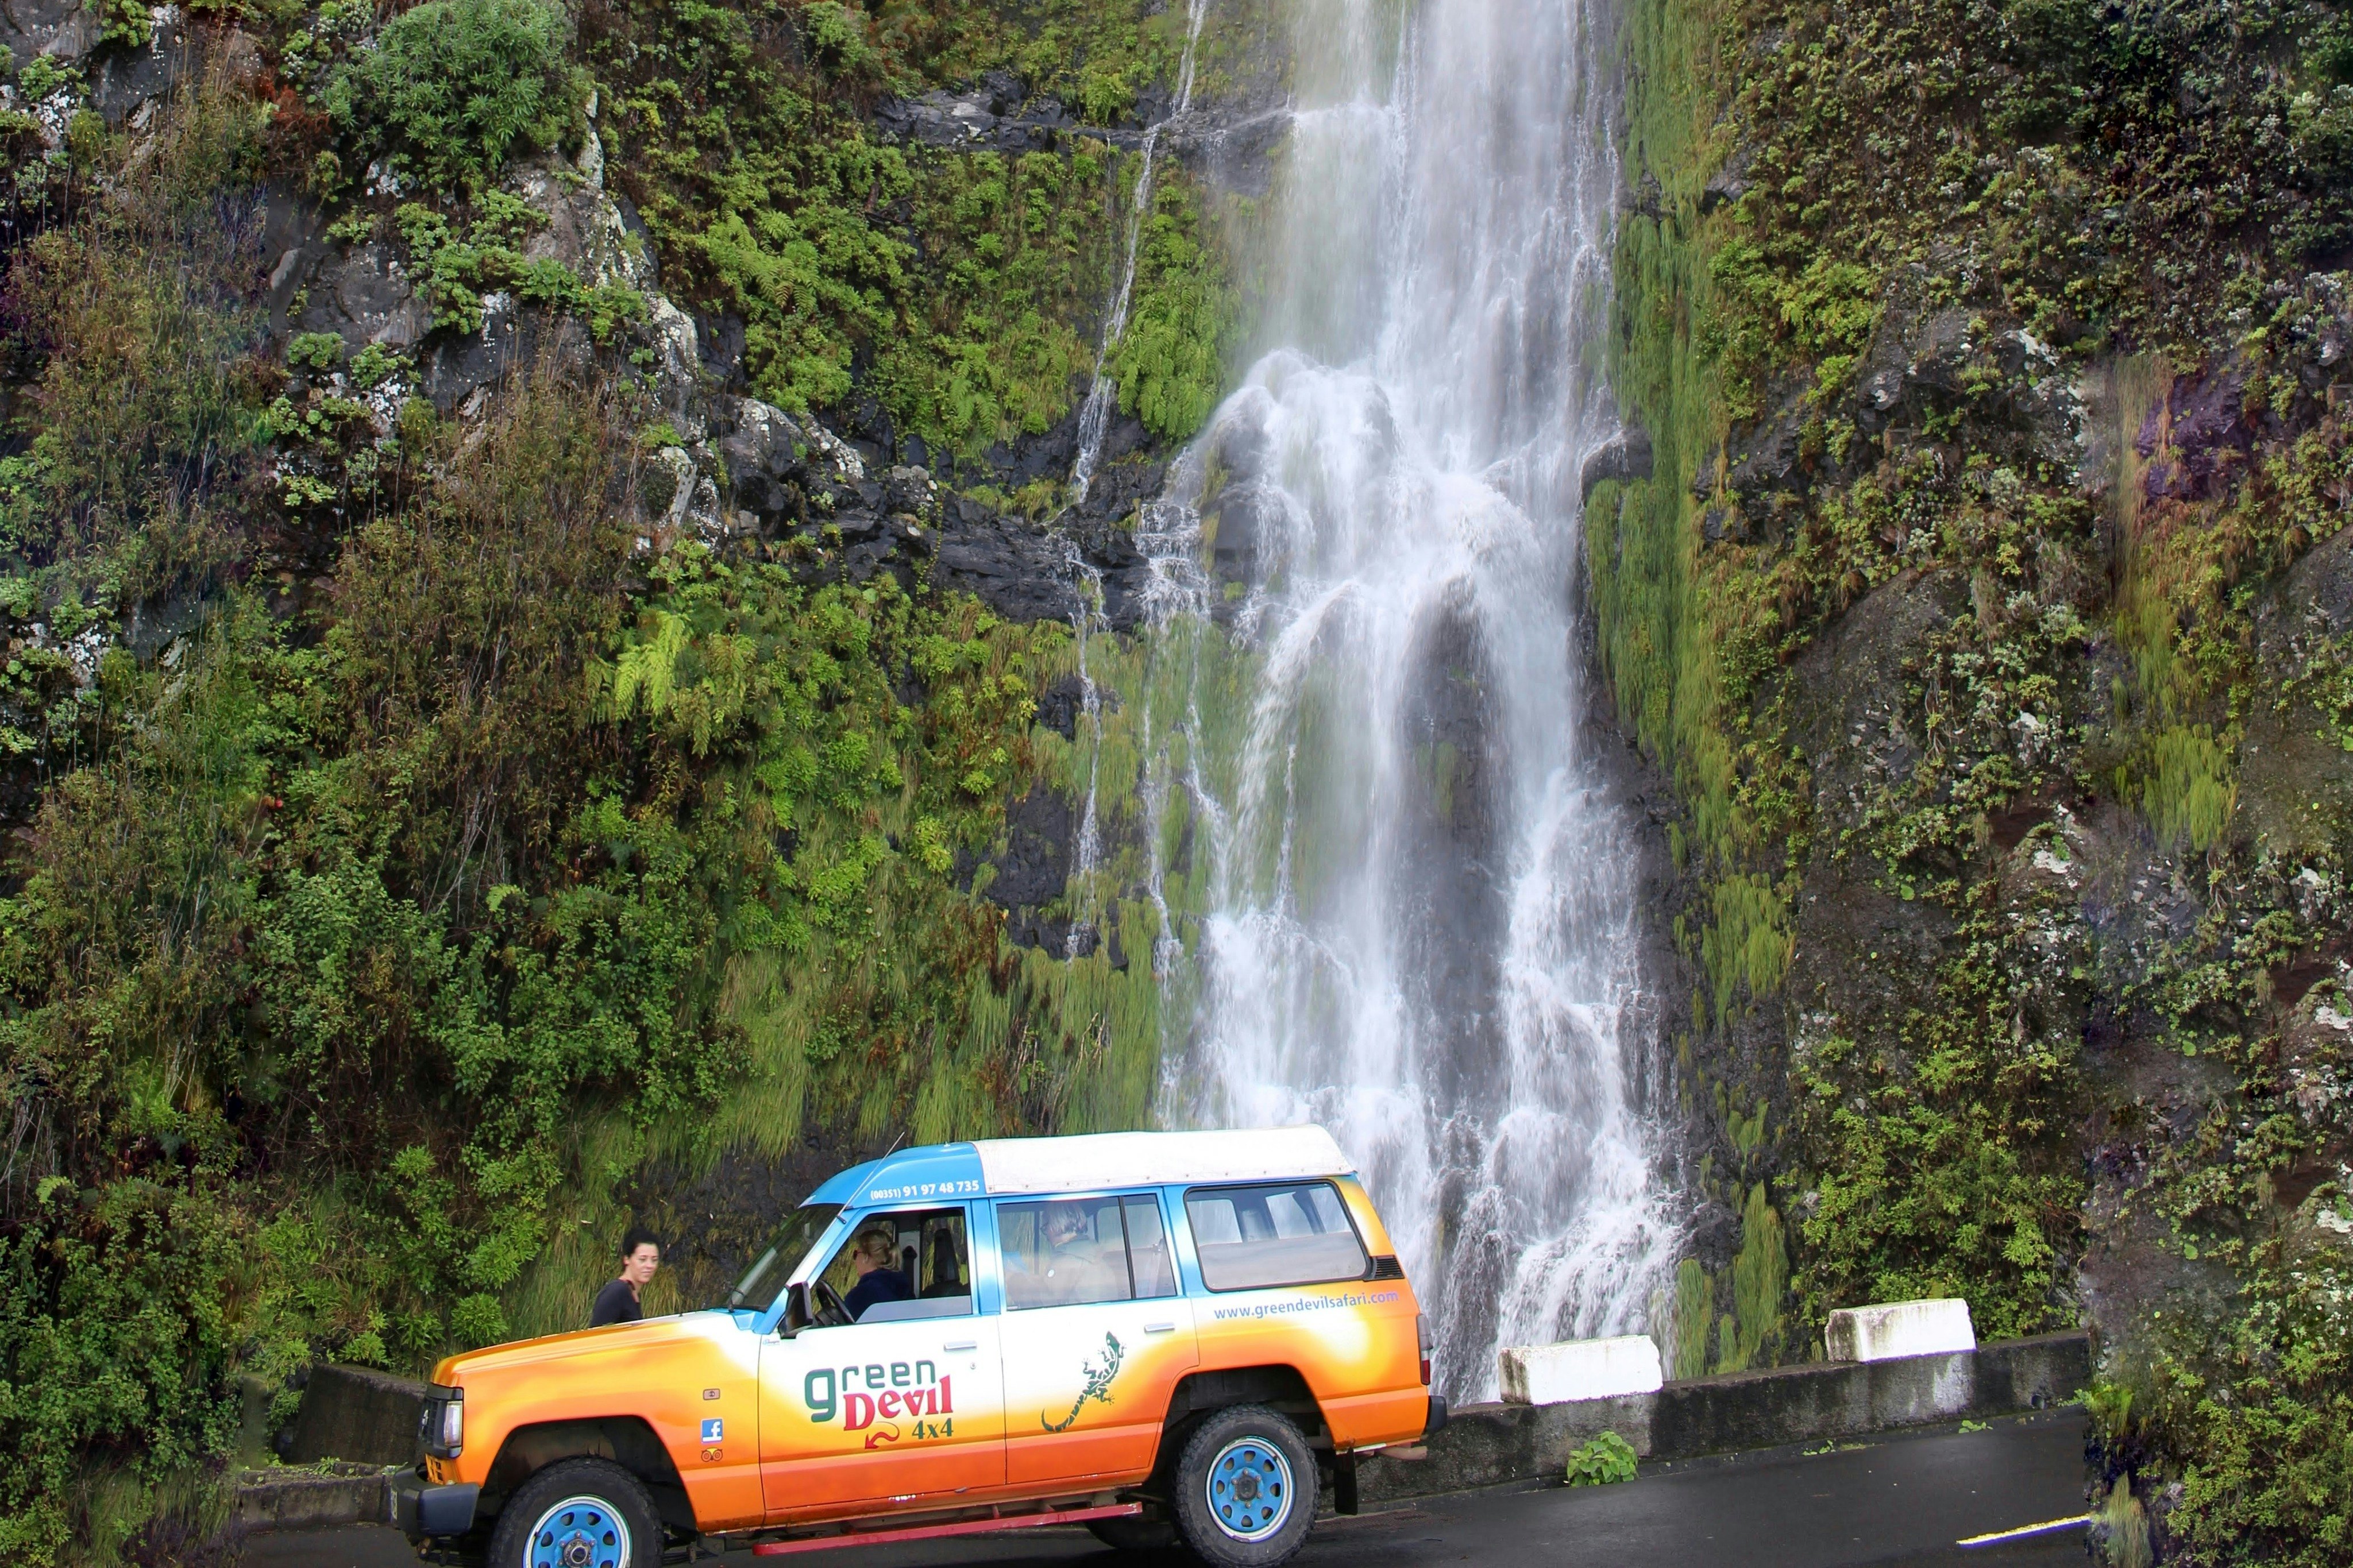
{"x": 1095, "y": 413}
{"x": 1415, "y": 905}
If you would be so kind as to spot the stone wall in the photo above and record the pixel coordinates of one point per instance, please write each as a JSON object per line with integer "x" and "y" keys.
{"x": 1487, "y": 1444}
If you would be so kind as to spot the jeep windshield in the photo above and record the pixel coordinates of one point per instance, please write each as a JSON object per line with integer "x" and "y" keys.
{"x": 794, "y": 1238}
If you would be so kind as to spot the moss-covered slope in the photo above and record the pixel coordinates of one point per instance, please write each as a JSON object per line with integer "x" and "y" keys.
{"x": 1986, "y": 605}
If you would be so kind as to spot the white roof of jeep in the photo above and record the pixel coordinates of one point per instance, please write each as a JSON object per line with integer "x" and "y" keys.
{"x": 1093, "y": 1161}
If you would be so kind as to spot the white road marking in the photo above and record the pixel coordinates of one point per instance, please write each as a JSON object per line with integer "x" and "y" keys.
{"x": 2023, "y": 1531}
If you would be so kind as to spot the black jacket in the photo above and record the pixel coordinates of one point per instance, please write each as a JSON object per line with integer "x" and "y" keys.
{"x": 616, "y": 1303}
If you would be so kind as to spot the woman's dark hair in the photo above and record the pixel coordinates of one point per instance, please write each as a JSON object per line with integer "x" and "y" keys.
{"x": 638, "y": 1235}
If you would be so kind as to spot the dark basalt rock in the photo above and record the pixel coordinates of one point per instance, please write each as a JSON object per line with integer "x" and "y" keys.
{"x": 1729, "y": 184}
{"x": 761, "y": 448}
{"x": 66, "y": 29}
{"x": 2196, "y": 440}
{"x": 998, "y": 116}
{"x": 1921, "y": 363}
{"x": 456, "y": 366}
{"x": 125, "y": 81}
{"x": 1625, "y": 456}
{"x": 1244, "y": 516}
{"x": 362, "y": 293}
{"x": 1033, "y": 867}
{"x": 1061, "y": 705}
{"x": 1027, "y": 571}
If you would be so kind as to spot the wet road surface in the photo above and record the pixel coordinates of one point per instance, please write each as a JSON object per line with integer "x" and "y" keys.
{"x": 1898, "y": 1498}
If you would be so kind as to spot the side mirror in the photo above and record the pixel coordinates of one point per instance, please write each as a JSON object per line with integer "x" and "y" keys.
{"x": 797, "y": 1311}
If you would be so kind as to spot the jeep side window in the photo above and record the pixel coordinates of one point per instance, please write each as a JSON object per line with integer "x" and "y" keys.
{"x": 906, "y": 1263}
{"x": 1066, "y": 1252}
{"x": 1253, "y": 1239}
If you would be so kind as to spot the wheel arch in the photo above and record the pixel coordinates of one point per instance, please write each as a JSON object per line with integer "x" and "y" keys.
{"x": 1277, "y": 1385}
{"x": 628, "y": 1441}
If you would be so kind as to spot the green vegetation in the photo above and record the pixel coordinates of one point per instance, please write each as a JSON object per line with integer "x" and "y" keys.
{"x": 408, "y": 860}
{"x": 454, "y": 88}
{"x": 1992, "y": 208}
{"x": 1602, "y": 1461}
{"x": 1170, "y": 362}
{"x": 976, "y": 283}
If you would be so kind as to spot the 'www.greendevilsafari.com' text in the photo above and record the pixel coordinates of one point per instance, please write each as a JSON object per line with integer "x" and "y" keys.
{"x": 1305, "y": 1304}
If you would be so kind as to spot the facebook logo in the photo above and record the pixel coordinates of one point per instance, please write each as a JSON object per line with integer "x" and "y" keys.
{"x": 714, "y": 1430}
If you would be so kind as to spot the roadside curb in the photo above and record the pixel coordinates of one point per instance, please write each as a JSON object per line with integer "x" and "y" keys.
{"x": 307, "y": 1499}
{"x": 1484, "y": 1445}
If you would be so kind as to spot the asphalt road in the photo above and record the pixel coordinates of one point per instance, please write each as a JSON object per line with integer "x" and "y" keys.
{"x": 1907, "y": 1498}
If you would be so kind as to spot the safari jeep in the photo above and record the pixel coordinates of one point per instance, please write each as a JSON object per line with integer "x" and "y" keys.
{"x": 1158, "y": 1335}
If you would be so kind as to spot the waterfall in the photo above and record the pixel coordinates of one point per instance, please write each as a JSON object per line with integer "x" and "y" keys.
{"x": 1094, "y": 414}
{"x": 1414, "y": 918}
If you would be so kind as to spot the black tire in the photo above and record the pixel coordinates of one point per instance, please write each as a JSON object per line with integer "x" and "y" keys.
{"x": 1144, "y": 1532}
{"x": 1263, "y": 1477}
{"x": 611, "y": 1511}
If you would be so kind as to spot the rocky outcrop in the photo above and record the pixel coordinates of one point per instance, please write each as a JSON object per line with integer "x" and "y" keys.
{"x": 1031, "y": 868}
{"x": 1230, "y": 141}
{"x": 996, "y": 116}
{"x": 1625, "y": 456}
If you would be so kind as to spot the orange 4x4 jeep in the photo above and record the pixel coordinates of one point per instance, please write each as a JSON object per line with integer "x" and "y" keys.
{"x": 1161, "y": 1335}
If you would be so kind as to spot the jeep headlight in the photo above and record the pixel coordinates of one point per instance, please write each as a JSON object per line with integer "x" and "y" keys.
{"x": 445, "y": 1422}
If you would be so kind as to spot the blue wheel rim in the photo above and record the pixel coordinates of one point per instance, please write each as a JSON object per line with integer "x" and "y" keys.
{"x": 580, "y": 1533}
{"x": 1249, "y": 1489}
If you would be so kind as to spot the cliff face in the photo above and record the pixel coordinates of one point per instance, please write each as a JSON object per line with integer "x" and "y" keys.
{"x": 529, "y": 604}
{"x": 541, "y": 691}
{"x": 1988, "y": 606}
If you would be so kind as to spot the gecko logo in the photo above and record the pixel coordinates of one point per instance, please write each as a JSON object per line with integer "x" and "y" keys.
{"x": 1098, "y": 1388}
{"x": 862, "y": 1395}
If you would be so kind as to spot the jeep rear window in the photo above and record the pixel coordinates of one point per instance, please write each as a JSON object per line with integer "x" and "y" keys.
{"x": 1067, "y": 1252}
{"x": 1253, "y": 1239}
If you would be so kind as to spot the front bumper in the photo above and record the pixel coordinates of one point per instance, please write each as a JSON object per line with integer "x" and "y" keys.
{"x": 421, "y": 1510}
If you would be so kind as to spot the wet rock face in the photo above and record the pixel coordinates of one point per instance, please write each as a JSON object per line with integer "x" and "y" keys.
{"x": 1232, "y": 141}
{"x": 1027, "y": 573}
{"x": 792, "y": 480}
{"x": 1853, "y": 724}
{"x": 2295, "y": 781}
{"x": 2196, "y": 441}
{"x": 1033, "y": 867}
{"x": 363, "y": 295}
{"x": 996, "y": 116}
{"x": 1456, "y": 909}
{"x": 1625, "y": 456}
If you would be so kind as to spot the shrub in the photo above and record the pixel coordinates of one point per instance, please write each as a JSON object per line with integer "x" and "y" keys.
{"x": 1602, "y": 1459}
{"x": 453, "y": 86}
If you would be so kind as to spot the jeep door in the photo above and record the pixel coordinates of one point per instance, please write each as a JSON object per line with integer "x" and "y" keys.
{"x": 1095, "y": 1335}
{"x": 905, "y": 1401}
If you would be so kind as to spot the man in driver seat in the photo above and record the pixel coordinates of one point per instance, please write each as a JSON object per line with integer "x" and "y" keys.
{"x": 875, "y": 1257}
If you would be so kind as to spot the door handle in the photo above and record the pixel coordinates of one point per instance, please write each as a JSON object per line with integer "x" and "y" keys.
{"x": 1159, "y": 1327}
{"x": 961, "y": 1345}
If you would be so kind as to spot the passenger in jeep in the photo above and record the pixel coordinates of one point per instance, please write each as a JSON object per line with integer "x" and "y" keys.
{"x": 1078, "y": 1264}
{"x": 879, "y": 1279}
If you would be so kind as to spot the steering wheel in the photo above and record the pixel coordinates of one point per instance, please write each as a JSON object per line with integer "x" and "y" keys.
{"x": 831, "y": 1312}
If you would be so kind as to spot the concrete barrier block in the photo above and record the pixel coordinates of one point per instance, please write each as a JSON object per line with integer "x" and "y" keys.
{"x": 309, "y": 1499}
{"x": 357, "y": 1413}
{"x": 1581, "y": 1369}
{"x": 1896, "y": 1329}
